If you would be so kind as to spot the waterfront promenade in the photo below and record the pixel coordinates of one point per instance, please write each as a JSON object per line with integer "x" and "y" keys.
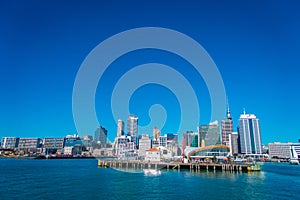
{"x": 237, "y": 167}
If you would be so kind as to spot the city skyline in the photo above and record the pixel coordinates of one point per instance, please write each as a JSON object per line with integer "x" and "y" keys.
{"x": 255, "y": 46}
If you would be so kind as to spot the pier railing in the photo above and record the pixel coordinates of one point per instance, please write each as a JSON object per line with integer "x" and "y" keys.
{"x": 134, "y": 164}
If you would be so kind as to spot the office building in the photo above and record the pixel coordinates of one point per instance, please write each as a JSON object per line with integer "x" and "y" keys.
{"x": 233, "y": 143}
{"x": 132, "y": 128}
{"x": 209, "y": 134}
{"x": 9, "y": 142}
{"x": 124, "y": 148}
{"x": 52, "y": 145}
{"x": 29, "y": 144}
{"x": 144, "y": 144}
{"x": 120, "y": 129}
{"x": 172, "y": 143}
{"x": 73, "y": 146}
{"x": 295, "y": 151}
{"x": 163, "y": 140}
{"x": 101, "y": 136}
{"x": 249, "y": 134}
{"x": 191, "y": 139}
{"x": 227, "y": 128}
{"x": 280, "y": 150}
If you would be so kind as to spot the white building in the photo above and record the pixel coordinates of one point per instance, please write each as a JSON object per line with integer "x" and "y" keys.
{"x": 295, "y": 151}
{"x": 153, "y": 155}
{"x": 132, "y": 128}
{"x": 144, "y": 144}
{"x": 280, "y": 150}
{"x": 124, "y": 148}
{"x": 249, "y": 134}
{"x": 9, "y": 142}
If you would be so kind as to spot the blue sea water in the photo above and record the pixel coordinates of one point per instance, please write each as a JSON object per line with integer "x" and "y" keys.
{"x": 82, "y": 179}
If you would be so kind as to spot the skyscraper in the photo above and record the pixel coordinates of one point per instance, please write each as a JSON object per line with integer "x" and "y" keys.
{"x": 249, "y": 134}
{"x": 227, "y": 128}
{"x": 209, "y": 134}
{"x": 120, "y": 130}
{"x": 132, "y": 128}
{"x": 101, "y": 136}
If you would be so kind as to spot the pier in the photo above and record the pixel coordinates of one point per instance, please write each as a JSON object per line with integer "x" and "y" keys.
{"x": 134, "y": 164}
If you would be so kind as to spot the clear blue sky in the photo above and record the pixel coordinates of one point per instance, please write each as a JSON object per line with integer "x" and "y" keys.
{"x": 255, "y": 45}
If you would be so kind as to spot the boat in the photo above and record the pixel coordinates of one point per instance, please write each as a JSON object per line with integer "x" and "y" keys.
{"x": 253, "y": 168}
{"x": 152, "y": 172}
{"x": 294, "y": 162}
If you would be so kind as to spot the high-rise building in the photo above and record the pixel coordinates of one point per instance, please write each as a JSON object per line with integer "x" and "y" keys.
{"x": 120, "y": 130}
{"x": 191, "y": 139}
{"x": 209, "y": 134}
{"x": 233, "y": 143}
{"x": 132, "y": 128}
{"x": 227, "y": 128}
{"x": 249, "y": 134}
{"x": 101, "y": 136}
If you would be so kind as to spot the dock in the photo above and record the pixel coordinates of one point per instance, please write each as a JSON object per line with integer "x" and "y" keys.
{"x": 134, "y": 164}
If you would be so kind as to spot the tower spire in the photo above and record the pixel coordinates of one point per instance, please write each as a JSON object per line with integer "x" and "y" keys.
{"x": 228, "y": 111}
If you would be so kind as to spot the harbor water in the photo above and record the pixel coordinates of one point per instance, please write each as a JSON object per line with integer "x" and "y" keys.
{"x": 82, "y": 179}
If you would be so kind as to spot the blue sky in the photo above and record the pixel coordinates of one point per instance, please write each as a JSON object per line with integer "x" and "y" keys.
{"x": 255, "y": 45}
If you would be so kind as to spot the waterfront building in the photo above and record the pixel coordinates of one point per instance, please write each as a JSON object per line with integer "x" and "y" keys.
{"x": 132, "y": 128}
{"x": 249, "y": 134}
{"x": 29, "y": 145}
{"x": 227, "y": 128}
{"x": 9, "y": 142}
{"x": 124, "y": 147}
{"x": 87, "y": 142}
{"x": 53, "y": 145}
{"x": 280, "y": 150}
{"x": 101, "y": 136}
{"x": 172, "y": 143}
{"x": 73, "y": 146}
{"x": 295, "y": 151}
{"x": 219, "y": 151}
{"x": 144, "y": 144}
{"x": 120, "y": 129}
{"x": 165, "y": 154}
{"x": 153, "y": 155}
{"x": 209, "y": 134}
{"x": 233, "y": 143}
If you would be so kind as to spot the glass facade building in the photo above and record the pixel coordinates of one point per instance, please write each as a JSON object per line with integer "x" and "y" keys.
{"x": 249, "y": 134}
{"x": 132, "y": 128}
{"x": 101, "y": 136}
{"x": 209, "y": 134}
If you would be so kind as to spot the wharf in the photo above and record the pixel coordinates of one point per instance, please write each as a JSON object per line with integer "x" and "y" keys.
{"x": 134, "y": 164}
